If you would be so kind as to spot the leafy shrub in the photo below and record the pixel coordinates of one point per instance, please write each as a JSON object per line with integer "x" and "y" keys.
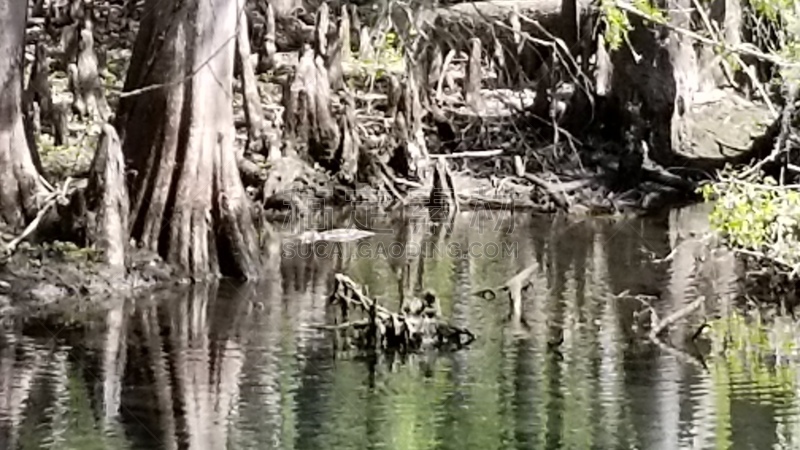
{"x": 760, "y": 217}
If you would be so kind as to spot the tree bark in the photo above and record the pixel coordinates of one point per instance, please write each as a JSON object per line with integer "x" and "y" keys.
{"x": 188, "y": 202}
{"x": 308, "y": 119}
{"x": 19, "y": 179}
{"x": 107, "y": 200}
{"x": 663, "y": 82}
{"x": 37, "y": 103}
{"x": 254, "y": 115}
{"x": 267, "y": 48}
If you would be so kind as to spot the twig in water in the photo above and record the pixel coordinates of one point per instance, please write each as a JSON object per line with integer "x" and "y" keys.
{"x": 679, "y": 354}
{"x": 661, "y": 325}
{"x": 700, "y": 330}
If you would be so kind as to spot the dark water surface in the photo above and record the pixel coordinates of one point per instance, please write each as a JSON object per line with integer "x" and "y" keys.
{"x": 239, "y": 367}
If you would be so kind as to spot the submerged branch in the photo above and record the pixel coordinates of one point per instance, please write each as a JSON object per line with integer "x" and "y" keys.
{"x": 419, "y": 325}
{"x": 661, "y": 325}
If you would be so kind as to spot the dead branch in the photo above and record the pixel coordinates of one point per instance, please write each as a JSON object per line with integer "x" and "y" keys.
{"x": 471, "y": 154}
{"x": 514, "y": 286}
{"x": 52, "y": 199}
{"x": 557, "y": 197}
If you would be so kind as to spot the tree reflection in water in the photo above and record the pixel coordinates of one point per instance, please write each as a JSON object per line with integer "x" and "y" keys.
{"x": 216, "y": 366}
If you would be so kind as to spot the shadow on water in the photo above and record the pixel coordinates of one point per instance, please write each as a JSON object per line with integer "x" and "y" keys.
{"x": 238, "y": 366}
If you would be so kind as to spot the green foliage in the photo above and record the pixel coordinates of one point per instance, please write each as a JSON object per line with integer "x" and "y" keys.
{"x": 61, "y": 161}
{"x": 760, "y": 217}
{"x": 776, "y": 30}
{"x": 68, "y": 251}
{"x": 387, "y": 58}
{"x": 650, "y": 10}
{"x": 618, "y": 24}
{"x": 771, "y": 9}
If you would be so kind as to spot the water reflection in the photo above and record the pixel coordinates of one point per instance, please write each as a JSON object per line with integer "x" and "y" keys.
{"x": 230, "y": 366}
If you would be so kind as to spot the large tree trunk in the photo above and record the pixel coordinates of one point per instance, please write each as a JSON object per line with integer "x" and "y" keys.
{"x": 19, "y": 180}
{"x": 662, "y": 84}
{"x": 635, "y": 90}
{"x": 188, "y": 202}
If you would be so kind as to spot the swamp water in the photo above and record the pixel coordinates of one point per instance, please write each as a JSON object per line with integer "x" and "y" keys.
{"x": 239, "y": 367}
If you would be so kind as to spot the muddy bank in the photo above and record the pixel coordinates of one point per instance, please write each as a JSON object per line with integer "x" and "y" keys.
{"x": 60, "y": 277}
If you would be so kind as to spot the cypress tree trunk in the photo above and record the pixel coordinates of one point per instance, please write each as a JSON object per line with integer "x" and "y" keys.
{"x": 187, "y": 198}
{"x": 19, "y": 180}
{"x": 659, "y": 82}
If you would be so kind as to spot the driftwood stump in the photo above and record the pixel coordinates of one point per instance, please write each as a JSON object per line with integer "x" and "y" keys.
{"x": 339, "y": 51}
{"x": 350, "y": 143}
{"x": 410, "y": 158}
{"x": 365, "y": 49}
{"x": 38, "y": 96}
{"x": 107, "y": 200}
{"x": 308, "y": 120}
{"x": 308, "y": 117}
{"x": 65, "y": 18}
{"x": 266, "y": 55}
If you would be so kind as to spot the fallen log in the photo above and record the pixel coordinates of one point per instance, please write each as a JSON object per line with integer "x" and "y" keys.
{"x": 471, "y": 154}
{"x": 549, "y": 13}
{"x": 419, "y": 325}
{"x": 559, "y": 198}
